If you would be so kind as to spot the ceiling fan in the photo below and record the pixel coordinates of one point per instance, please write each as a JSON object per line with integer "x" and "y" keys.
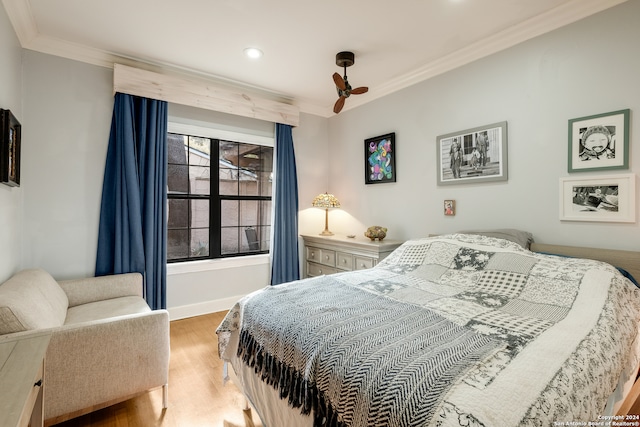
{"x": 345, "y": 59}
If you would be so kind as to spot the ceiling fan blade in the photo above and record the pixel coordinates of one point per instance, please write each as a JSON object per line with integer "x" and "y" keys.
{"x": 359, "y": 90}
{"x": 339, "y": 81}
{"x": 339, "y": 104}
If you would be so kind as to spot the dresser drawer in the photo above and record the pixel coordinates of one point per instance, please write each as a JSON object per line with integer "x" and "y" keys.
{"x": 314, "y": 269}
{"x": 321, "y": 256}
{"x": 312, "y": 254}
{"x": 344, "y": 261}
{"x": 328, "y": 257}
{"x": 362, "y": 263}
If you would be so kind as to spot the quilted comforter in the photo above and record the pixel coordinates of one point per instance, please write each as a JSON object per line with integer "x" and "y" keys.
{"x": 459, "y": 330}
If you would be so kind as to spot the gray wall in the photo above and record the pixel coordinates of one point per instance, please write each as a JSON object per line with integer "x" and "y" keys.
{"x": 70, "y": 105}
{"x": 65, "y": 108}
{"x": 10, "y": 198}
{"x": 586, "y": 68}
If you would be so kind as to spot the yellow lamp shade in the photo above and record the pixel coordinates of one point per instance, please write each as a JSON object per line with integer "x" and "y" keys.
{"x": 326, "y": 201}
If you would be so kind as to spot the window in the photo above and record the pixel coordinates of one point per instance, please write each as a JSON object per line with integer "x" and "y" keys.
{"x": 218, "y": 208}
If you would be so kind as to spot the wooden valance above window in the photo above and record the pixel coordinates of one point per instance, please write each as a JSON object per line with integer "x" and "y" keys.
{"x": 180, "y": 90}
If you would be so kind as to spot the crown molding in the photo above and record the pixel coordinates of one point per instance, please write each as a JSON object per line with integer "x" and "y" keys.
{"x": 21, "y": 17}
{"x": 102, "y": 58}
{"x": 314, "y": 109}
{"x": 558, "y": 17}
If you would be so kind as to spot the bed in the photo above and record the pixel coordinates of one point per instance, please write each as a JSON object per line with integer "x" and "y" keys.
{"x": 455, "y": 330}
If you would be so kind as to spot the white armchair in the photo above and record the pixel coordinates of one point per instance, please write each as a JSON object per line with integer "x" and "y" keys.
{"x": 106, "y": 346}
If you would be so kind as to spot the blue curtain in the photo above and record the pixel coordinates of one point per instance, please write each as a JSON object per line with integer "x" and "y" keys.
{"x": 132, "y": 234}
{"x": 284, "y": 246}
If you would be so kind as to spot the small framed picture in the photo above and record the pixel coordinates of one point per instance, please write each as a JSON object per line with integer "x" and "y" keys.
{"x": 605, "y": 198}
{"x": 450, "y": 207}
{"x": 599, "y": 142}
{"x": 380, "y": 159}
{"x": 473, "y": 155}
{"x": 10, "y": 136}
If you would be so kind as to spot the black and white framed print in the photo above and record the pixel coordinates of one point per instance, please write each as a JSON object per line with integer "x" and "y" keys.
{"x": 599, "y": 142}
{"x": 602, "y": 198}
{"x": 473, "y": 155}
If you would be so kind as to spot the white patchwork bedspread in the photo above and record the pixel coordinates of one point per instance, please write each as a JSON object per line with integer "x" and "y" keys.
{"x": 543, "y": 338}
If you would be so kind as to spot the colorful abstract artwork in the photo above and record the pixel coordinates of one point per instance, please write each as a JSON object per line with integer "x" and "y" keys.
{"x": 380, "y": 155}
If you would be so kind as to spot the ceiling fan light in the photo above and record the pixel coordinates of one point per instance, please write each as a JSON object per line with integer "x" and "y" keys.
{"x": 345, "y": 59}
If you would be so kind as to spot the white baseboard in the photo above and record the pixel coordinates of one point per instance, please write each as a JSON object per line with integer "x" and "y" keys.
{"x": 213, "y": 306}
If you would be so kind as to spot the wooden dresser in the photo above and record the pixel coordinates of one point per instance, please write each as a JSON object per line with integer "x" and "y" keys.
{"x": 22, "y": 379}
{"x": 328, "y": 255}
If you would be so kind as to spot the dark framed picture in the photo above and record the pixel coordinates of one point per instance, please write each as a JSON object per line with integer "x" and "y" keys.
{"x": 603, "y": 198}
{"x": 10, "y": 135}
{"x": 599, "y": 142}
{"x": 473, "y": 155}
{"x": 380, "y": 159}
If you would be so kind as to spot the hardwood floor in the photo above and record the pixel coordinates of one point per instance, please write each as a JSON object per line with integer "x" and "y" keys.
{"x": 197, "y": 396}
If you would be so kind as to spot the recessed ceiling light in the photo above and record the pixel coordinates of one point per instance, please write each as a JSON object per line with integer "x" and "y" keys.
{"x": 253, "y": 52}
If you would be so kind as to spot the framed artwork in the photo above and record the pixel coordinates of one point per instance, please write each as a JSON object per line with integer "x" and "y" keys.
{"x": 380, "y": 159}
{"x": 606, "y": 198}
{"x": 473, "y": 155}
{"x": 599, "y": 142}
{"x": 10, "y": 135}
{"x": 450, "y": 207}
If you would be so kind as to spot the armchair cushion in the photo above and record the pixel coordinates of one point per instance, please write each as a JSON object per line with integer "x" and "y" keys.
{"x": 91, "y": 289}
{"x": 31, "y": 299}
{"x": 106, "y": 309}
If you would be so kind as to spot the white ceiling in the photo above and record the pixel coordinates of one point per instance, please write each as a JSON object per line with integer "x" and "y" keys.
{"x": 396, "y": 43}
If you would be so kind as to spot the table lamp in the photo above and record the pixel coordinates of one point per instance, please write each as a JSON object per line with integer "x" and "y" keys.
{"x": 326, "y": 201}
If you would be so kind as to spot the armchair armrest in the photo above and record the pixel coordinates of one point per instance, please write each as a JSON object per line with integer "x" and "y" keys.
{"x": 90, "y": 289}
{"x": 122, "y": 356}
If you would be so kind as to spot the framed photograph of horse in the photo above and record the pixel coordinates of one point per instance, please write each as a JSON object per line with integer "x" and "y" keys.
{"x": 599, "y": 142}
{"x": 473, "y": 155}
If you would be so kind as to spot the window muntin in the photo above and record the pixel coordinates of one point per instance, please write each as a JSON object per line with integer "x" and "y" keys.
{"x": 227, "y": 215}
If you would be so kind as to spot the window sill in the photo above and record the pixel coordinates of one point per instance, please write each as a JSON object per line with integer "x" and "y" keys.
{"x": 216, "y": 264}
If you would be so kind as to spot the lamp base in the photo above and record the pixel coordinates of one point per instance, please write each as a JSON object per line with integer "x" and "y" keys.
{"x": 326, "y": 231}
